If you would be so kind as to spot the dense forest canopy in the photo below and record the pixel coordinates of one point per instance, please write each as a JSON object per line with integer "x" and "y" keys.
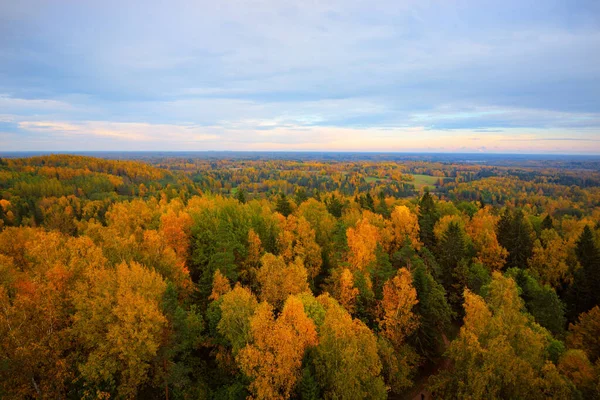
{"x": 294, "y": 276}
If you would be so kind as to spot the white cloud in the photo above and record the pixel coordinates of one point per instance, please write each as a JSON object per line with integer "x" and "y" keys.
{"x": 123, "y": 131}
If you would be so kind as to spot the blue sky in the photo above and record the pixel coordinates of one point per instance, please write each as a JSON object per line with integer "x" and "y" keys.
{"x": 468, "y": 76}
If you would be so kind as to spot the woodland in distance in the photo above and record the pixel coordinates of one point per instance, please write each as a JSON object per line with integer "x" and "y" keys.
{"x": 181, "y": 277}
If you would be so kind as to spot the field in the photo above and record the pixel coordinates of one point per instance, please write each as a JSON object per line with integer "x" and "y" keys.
{"x": 424, "y": 180}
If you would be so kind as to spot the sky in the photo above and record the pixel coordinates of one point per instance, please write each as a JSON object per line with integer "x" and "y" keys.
{"x": 511, "y": 76}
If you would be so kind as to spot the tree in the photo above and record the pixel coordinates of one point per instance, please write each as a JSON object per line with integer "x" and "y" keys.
{"x": 452, "y": 252}
{"x": 250, "y": 265}
{"x": 549, "y": 259}
{"x": 346, "y": 361}
{"x": 516, "y": 235}
{"x": 237, "y": 308}
{"x": 119, "y": 324}
{"x": 221, "y": 286}
{"x": 278, "y": 280}
{"x": 541, "y": 301}
{"x": 334, "y": 206}
{"x": 575, "y": 365}
{"x": 176, "y": 229}
{"x": 362, "y": 242}
{"x": 585, "y": 334}
{"x": 405, "y": 226}
{"x": 397, "y": 320}
{"x": 398, "y": 365}
{"x": 283, "y": 205}
{"x": 547, "y": 223}
{"x": 499, "y": 352}
{"x": 307, "y": 249}
{"x": 433, "y": 311}
{"x": 274, "y": 357}
{"x": 428, "y": 217}
{"x": 584, "y": 293}
{"x": 482, "y": 230}
{"x": 320, "y": 219}
{"x": 240, "y": 195}
{"x": 345, "y": 292}
{"x": 300, "y": 196}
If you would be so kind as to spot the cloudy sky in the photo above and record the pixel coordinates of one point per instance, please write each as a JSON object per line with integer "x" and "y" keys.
{"x": 395, "y": 75}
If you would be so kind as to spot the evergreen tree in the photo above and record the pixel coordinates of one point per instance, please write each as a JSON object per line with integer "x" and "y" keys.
{"x": 504, "y": 229}
{"x": 240, "y": 195}
{"x": 309, "y": 389}
{"x": 452, "y": 250}
{"x": 585, "y": 290}
{"x": 428, "y": 216}
{"x": 369, "y": 204}
{"x": 541, "y": 301}
{"x": 547, "y": 222}
{"x": 382, "y": 271}
{"x": 334, "y": 206}
{"x": 434, "y": 311}
{"x": 283, "y": 205}
{"x": 522, "y": 242}
{"x": 515, "y": 235}
{"x": 300, "y": 196}
{"x": 382, "y": 207}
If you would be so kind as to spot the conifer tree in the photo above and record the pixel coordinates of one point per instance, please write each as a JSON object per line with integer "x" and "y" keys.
{"x": 428, "y": 216}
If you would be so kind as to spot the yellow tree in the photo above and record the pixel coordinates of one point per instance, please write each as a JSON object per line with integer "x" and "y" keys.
{"x": 286, "y": 237}
{"x": 575, "y": 365}
{"x": 221, "y": 286}
{"x": 274, "y": 357}
{"x": 346, "y": 362}
{"x": 397, "y": 320}
{"x": 237, "y": 307}
{"x": 176, "y": 229}
{"x": 315, "y": 212}
{"x": 278, "y": 280}
{"x": 119, "y": 323}
{"x": 585, "y": 334}
{"x": 251, "y": 263}
{"x": 38, "y": 271}
{"x": 297, "y": 240}
{"x": 362, "y": 242}
{"x": 344, "y": 290}
{"x": 549, "y": 259}
{"x": 307, "y": 249}
{"x": 500, "y": 351}
{"x": 482, "y": 231}
{"x": 405, "y": 225}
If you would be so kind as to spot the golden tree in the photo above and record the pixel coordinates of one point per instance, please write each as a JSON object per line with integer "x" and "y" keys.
{"x": 274, "y": 357}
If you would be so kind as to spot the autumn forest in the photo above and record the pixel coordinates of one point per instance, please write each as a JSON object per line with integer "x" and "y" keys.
{"x": 288, "y": 277}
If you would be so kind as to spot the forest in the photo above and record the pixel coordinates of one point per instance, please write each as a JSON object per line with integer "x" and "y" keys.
{"x": 173, "y": 277}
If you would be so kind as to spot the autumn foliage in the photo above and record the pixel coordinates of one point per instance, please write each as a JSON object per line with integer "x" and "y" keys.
{"x": 272, "y": 278}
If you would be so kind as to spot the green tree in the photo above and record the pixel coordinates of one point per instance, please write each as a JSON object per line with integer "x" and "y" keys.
{"x": 500, "y": 352}
{"x": 434, "y": 312}
{"x": 547, "y": 223}
{"x": 516, "y": 235}
{"x": 452, "y": 250}
{"x": 240, "y": 195}
{"x": 283, "y": 205}
{"x": 334, "y": 206}
{"x": 584, "y": 293}
{"x": 428, "y": 217}
{"x": 541, "y": 301}
{"x": 346, "y": 361}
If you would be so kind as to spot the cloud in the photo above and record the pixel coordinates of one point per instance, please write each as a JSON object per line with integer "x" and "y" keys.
{"x": 56, "y": 135}
{"x": 219, "y": 68}
{"x": 131, "y": 132}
